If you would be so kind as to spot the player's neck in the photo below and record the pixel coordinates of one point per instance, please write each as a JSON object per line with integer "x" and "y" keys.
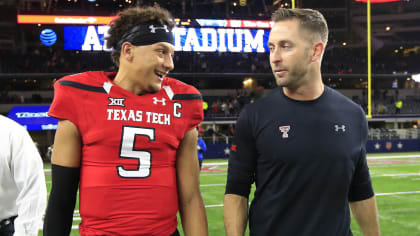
{"x": 123, "y": 80}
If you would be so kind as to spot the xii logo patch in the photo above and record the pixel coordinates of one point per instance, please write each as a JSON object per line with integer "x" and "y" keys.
{"x": 285, "y": 130}
{"x": 116, "y": 102}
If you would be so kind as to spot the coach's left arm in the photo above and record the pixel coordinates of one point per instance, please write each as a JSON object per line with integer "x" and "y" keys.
{"x": 191, "y": 206}
{"x": 366, "y": 214}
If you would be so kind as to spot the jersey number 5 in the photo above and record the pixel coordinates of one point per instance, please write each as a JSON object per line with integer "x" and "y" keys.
{"x": 127, "y": 150}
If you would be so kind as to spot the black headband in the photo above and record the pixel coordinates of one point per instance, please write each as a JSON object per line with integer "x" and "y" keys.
{"x": 146, "y": 34}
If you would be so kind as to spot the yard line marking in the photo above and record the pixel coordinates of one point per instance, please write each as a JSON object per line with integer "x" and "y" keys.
{"x": 225, "y": 173}
{"x": 373, "y": 176}
{"x": 393, "y": 175}
{"x": 369, "y": 158}
{"x": 396, "y": 193}
{"x": 393, "y": 157}
{"x": 208, "y": 206}
{"x": 215, "y": 164}
{"x": 210, "y": 185}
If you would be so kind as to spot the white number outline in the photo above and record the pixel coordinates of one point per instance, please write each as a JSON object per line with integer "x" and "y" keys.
{"x": 144, "y": 157}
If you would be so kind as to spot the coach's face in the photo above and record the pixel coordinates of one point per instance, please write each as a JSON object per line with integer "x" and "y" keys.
{"x": 289, "y": 54}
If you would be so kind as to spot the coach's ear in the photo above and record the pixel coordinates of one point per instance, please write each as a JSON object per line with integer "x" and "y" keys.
{"x": 317, "y": 51}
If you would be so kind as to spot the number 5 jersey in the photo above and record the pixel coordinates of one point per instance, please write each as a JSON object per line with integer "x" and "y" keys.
{"x": 129, "y": 144}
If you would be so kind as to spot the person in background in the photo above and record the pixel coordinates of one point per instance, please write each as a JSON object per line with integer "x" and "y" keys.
{"x": 49, "y": 152}
{"x": 398, "y": 105}
{"x": 304, "y": 146}
{"x": 201, "y": 149}
{"x": 129, "y": 138}
{"x": 23, "y": 192}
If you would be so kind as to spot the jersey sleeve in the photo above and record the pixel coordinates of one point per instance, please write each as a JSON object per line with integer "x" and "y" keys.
{"x": 190, "y": 100}
{"x": 63, "y": 105}
{"x": 243, "y": 158}
{"x": 196, "y": 112}
{"x": 361, "y": 185}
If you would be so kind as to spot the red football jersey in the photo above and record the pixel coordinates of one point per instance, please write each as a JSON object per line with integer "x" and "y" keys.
{"x": 128, "y": 178}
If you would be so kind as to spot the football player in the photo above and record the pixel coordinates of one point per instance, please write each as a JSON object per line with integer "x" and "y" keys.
{"x": 130, "y": 137}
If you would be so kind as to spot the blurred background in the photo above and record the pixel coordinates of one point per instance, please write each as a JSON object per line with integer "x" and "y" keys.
{"x": 221, "y": 50}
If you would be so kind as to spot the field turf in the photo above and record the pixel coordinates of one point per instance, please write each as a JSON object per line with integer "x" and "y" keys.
{"x": 395, "y": 177}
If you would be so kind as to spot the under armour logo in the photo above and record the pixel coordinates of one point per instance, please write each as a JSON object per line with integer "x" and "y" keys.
{"x": 116, "y": 102}
{"x": 154, "y": 28}
{"x": 340, "y": 127}
{"x": 285, "y": 130}
{"x": 155, "y": 101}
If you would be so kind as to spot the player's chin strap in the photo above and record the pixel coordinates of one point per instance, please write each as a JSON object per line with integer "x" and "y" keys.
{"x": 59, "y": 216}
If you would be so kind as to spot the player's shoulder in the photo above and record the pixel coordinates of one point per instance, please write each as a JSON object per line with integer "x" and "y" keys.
{"x": 89, "y": 78}
{"x": 180, "y": 87}
{"x": 180, "y": 90}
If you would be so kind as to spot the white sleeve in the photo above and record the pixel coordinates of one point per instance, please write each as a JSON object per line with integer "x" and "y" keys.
{"x": 28, "y": 173}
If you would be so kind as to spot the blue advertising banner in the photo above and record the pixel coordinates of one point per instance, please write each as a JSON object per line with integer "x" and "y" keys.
{"x": 205, "y": 39}
{"x": 373, "y": 146}
{"x": 393, "y": 145}
{"x": 33, "y": 117}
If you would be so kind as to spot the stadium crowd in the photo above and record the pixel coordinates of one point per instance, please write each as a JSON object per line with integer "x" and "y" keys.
{"x": 338, "y": 60}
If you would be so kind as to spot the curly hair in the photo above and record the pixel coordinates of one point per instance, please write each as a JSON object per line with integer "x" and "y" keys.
{"x": 130, "y": 17}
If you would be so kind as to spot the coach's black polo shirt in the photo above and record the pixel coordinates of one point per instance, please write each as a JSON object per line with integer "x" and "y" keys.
{"x": 307, "y": 159}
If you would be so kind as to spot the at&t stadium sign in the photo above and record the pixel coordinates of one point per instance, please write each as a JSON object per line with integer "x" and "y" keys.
{"x": 206, "y": 39}
{"x": 87, "y": 33}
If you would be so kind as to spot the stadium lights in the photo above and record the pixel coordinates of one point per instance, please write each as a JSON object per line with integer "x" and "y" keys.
{"x": 416, "y": 77}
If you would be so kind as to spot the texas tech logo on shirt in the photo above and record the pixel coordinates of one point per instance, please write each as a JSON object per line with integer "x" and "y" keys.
{"x": 285, "y": 130}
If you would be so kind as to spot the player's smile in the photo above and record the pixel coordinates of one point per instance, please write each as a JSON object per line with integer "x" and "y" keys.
{"x": 160, "y": 75}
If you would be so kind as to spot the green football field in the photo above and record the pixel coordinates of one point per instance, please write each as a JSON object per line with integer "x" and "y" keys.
{"x": 395, "y": 177}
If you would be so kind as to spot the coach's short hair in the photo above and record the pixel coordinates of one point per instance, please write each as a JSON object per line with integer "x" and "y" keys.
{"x": 310, "y": 20}
{"x": 129, "y": 18}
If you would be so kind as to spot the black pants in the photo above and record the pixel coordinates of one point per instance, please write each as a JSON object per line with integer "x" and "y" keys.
{"x": 7, "y": 226}
{"x": 176, "y": 233}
